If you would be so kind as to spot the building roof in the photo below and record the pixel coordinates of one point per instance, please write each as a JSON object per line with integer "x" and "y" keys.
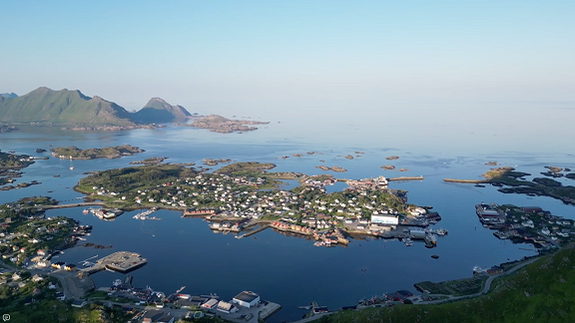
{"x": 246, "y": 296}
{"x": 225, "y": 305}
{"x": 165, "y": 318}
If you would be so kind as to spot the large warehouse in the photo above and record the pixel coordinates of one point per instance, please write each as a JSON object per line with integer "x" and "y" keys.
{"x": 246, "y": 299}
{"x": 385, "y": 219}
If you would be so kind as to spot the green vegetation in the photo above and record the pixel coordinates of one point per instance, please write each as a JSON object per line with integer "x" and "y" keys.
{"x": 25, "y": 230}
{"x": 46, "y": 309}
{"x": 13, "y": 161}
{"x": 458, "y": 287}
{"x": 129, "y": 179}
{"x": 240, "y": 168}
{"x": 540, "y": 292}
{"x": 158, "y": 111}
{"x": 235, "y": 188}
{"x": 74, "y": 152}
{"x": 62, "y": 107}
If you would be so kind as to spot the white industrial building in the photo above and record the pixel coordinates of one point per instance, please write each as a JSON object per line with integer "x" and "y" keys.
{"x": 386, "y": 219}
{"x": 246, "y": 299}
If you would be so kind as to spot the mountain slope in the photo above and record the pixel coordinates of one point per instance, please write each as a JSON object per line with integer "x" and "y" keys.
{"x": 62, "y": 107}
{"x": 157, "y": 110}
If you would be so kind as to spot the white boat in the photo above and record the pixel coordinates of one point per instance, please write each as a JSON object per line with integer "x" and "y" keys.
{"x": 441, "y": 232}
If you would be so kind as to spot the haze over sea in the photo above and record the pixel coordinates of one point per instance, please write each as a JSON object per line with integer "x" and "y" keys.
{"x": 290, "y": 270}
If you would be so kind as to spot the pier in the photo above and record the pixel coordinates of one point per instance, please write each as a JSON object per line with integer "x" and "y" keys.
{"x": 247, "y": 234}
{"x": 121, "y": 261}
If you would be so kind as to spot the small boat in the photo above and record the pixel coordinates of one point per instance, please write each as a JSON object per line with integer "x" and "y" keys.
{"x": 407, "y": 241}
{"x": 434, "y": 256}
{"x": 441, "y": 232}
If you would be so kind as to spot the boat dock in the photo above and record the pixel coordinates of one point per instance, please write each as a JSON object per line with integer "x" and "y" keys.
{"x": 144, "y": 215}
{"x": 121, "y": 261}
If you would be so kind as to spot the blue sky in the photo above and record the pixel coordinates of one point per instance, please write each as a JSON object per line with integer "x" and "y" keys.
{"x": 243, "y": 57}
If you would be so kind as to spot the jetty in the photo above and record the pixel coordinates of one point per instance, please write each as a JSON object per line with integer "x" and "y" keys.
{"x": 465, "y": 181}
{"x": 254, "y": 231}
{"x": 405, "y": 178}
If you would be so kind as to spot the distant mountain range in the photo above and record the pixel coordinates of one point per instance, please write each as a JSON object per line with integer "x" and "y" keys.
{"x": 8, "y": 95}
{"x": 158, "y": 110}
{"x": 65, "y": 107}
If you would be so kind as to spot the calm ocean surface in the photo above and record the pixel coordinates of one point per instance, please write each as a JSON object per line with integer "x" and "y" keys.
{"x": 290, "y": 270}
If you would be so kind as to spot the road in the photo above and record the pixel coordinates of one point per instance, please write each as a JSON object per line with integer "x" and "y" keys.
{"x": 73, "y": 285}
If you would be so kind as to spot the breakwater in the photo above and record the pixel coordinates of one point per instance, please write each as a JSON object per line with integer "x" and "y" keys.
{"x": 465, "y": 181}
{"x": 405, "y": 178}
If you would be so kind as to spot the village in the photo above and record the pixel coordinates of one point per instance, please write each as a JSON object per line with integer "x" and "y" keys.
{"x": 526, "y": 224}
{"x": 231, "y": 203}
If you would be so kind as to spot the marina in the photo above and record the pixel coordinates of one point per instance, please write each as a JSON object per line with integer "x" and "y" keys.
{"x": 145, "y": 215}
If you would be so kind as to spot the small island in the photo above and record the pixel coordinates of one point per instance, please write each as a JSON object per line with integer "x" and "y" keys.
{"x": 336, "y": 169}
{"x": 149, "y": 161}
{"x": 216, "y": 123}
{"x": 74, "y": 152}
{"x": 6, "y": 128}
{"x": 215, "y": 162}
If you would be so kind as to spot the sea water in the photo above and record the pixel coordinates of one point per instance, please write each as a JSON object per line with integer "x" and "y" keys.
{"x": 290, "y": 270}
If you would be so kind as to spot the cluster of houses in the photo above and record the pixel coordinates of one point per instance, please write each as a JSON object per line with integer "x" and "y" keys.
{"x": 527, "y": 223}
{"x": 229, "y": 195}
{"x": 309, "y": 207}
{"x": 27, "y": 245}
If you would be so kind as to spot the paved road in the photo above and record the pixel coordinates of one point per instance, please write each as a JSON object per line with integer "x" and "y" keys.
{"x": 73, "y": 285}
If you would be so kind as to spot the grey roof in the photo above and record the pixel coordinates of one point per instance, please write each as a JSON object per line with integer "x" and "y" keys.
{"x": 246, "y": 296}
